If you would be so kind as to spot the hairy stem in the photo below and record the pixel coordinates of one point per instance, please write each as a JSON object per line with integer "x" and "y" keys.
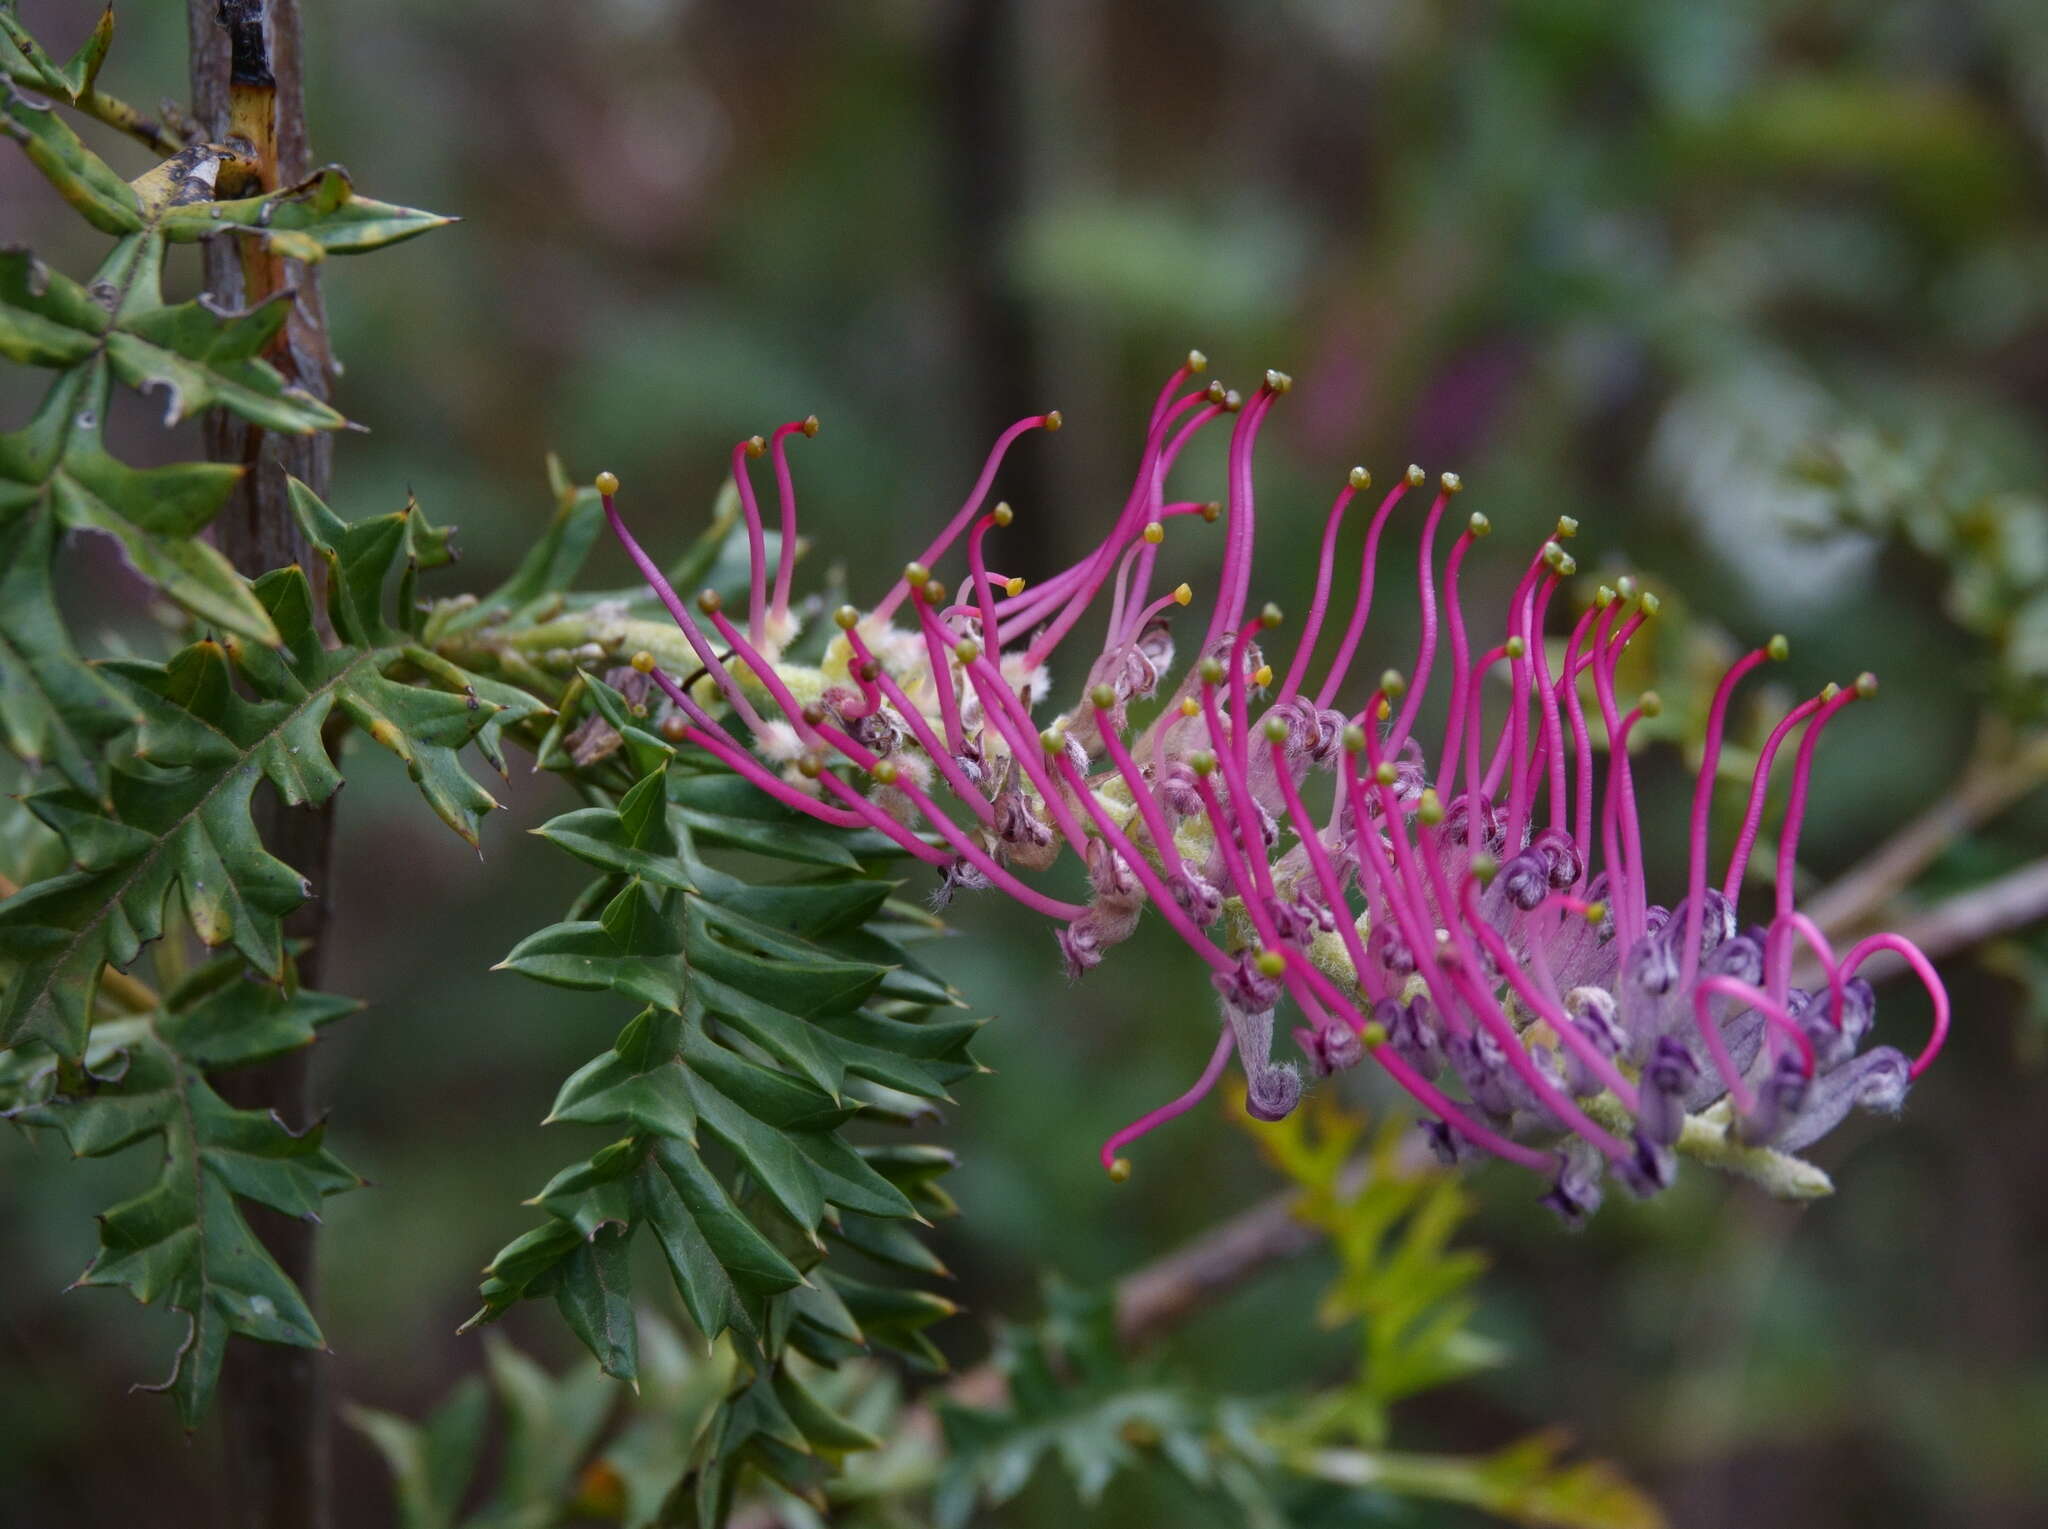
{"x": 246, "y": 84}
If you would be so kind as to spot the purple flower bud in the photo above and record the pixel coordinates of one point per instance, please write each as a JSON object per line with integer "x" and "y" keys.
{"x": 1411, "y": 1029}
{"x": 1334, "y": 1048}
{"x": 1385, "y": 946}
{"x": 1448, "y": 1147}
{"x": 1576, "y": 1193}
{"x": 1591, "y": 1012}
{"x": 1525, "y": 880}
{"x": 1481, "y": 1066}
{"x": 1649, "y": 1169}
{"x": 1877, "y": 1080}
{"x": 1667, "y": 1078}
{"x": 1273, "y": 1093}
{"x": 1245, "y": 988}
{"x": 1780, "y": 1098}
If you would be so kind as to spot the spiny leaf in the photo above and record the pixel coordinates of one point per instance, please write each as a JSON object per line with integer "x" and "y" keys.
{"x": 53, "y": 708}
{"x": 183, "y": 1242}
{"x": 216, "y": 719}
{"x": 1071, "y": 1397}
{"x": 81, "y": 177}
{"x": 318, "y": 217}
{"x": 56, "y": 474}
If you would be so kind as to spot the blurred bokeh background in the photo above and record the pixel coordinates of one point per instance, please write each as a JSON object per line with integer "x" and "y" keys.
{"x": 1759, "y": 292}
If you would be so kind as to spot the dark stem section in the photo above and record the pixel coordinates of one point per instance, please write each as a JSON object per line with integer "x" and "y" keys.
{"x": 247, "y": 86}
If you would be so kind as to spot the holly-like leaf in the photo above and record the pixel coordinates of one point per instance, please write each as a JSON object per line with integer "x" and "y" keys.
{"x": 52, "y": 707}
{"x": 183, "y": 1242}
{"x": 318, "y": 217}
{"x": 216, "y": 720}
{"x": 22, "y": 58}
{"x": 766, "y": 1015}
{"x": 1071, "y": 1397}
{"x": 55, "y": 473}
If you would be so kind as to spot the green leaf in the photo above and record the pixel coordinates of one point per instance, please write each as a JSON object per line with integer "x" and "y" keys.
{"x": 81, "y": 177}
{"x": 53, "y": 709}
{"x": 216, "y": 720}
{"x": 1071, "y": 1398}
{"x": 1523, "y": 1484}
{"x": 320, "y": 216}
{"x": 72, "y": 80}
{"x": 733, "y": 1080}
{"x": 431, "y": 1463}
{"x": 55, "y": 474}
{"x": 596, "y": 1297}
{"x": 183, "y": 1242}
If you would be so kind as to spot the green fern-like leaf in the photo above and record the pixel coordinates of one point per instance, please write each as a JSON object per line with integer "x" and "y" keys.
{"x": 56, "y": 474}
{"x": 771, "y": 1015}
{"x": 183, "y": 1242}
{"x": 177, "y": 817}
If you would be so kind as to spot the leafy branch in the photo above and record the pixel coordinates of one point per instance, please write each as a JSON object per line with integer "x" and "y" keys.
{"x": 183, "y": 1242}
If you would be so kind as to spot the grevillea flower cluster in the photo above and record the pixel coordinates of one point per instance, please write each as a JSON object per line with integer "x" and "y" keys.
{"x": 1471, "y": 912}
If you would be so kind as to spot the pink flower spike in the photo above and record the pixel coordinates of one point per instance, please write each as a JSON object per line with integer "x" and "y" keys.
{"x": 1151, "y": 1121}
{"x": 1551, "y": 735}
{"x": 1000, "y": 706}
{"x": 757, "y": 538}
{"x": 1361, "y": 608}
{"x": 874, "y": 817}
{"x": 785, "y": 493}
{"x": 1425, "y": 584}
{"x": 1326, "y": 568}
{"x": 941, "y": 759}
{"x": 1703, "y": 803}
{"x": 966, "y": 513}
{"x": 1778, "y": 959}
{"x": 1303, "y": 971}
{"x": 1327, "y": 879}
{"x": 1235, "y": 586}
{"x": 1195, "y": 364}
{"x": 1461, "y": 665}
{"x": 1156, "y": 826}
{"x": 707, "y": 735}
{"x": 1773, "y": 1014}
{"x": 1239, "y": 737}
{"x": 1568, "y": 1034}
{"x": 1626, "y": 887}
{"x": 1404, "y": 889}
{"x": 1759, "y": 789}
{"x": 1582, "y": 743}
{"x": 1899, "y": 945}
{"x": 1160, "y": 894}
{"x": 1621, "y": 836}
{"x": 666, "y": 594}
{"x": 963, "y": 846}
{"x": 940, "y": 665}
{"x": 1145, "y": 494}
{"x": 867, "y": 672}
{"x": 762, "y": 670}
{"x": 1802, "y": 776}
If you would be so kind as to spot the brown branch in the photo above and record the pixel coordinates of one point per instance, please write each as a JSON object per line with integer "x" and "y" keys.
{"x": 1997, "y": 778}
{"x": 1159, "y": 1297}
{"x": 2013, "y": 901}
{"x": 246, "y": 85}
